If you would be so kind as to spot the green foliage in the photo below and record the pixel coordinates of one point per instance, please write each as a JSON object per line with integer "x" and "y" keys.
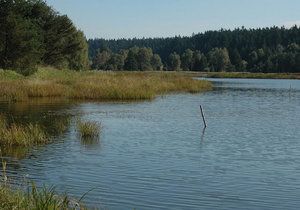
{"x": 156, "y": 62}
{"x": 32, "y": 33}
{"x": 199, "y": 62}
{"x": 187, "y": 60}
{"x": 134, "y": 59}
{"x": 174, "y": 62}
{"x": 131, "y": 62}
{"x": 219, "y": 59}
{"x": 101, "y": 61}
{"x": 9, "y": 75}
{"x": 252, "y": 50}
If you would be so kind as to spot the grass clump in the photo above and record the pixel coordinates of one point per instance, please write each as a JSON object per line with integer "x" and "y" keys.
{"x": 95, "y": 85}
{"x": 21, "y": 135}
{"x": 34, "y": 199}
{"x": 88, "y": 129}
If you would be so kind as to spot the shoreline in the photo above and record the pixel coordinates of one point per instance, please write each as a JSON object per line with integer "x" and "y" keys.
{"x": 246, "y": 75}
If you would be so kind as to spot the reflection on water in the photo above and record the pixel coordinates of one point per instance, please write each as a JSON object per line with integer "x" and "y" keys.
{"x": 203, "y": 135}
{"x": 15, "y": 153}
{"x": 155, "y": 155}
{"x": 90, "y": 142}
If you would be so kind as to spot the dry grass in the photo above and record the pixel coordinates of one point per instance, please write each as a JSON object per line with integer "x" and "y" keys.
{"x": 91, "y": 85}
{"x": 88, "y": 129}
{"x": 20, "y": 135}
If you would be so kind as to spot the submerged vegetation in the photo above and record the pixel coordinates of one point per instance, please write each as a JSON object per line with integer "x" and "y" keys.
{"x": 91, "y": 85}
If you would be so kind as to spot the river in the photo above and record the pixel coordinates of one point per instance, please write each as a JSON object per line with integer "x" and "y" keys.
{"x": 156, "y": 155}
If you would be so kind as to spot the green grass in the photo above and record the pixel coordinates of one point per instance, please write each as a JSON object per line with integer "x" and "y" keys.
{"x": 88, "y": 129}
{"x": 253, "y": 75}
{"x": 94, "y": 85}
{"x": 21, "y": 135}
{"x": 35, "y": 199}
{"x": 11, "y": 75}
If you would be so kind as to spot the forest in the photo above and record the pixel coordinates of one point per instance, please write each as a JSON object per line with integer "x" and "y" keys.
{"x": 274, "y": 49}
{"x": 32, "y": 34}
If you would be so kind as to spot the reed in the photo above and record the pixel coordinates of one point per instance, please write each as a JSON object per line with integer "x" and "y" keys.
{"x": 37, "y": 199}
{"x": 88, "y": 129}
{"x": 92, "y": 85}
{"x": 21, "y": 135}
{"x": 33, "y": 198}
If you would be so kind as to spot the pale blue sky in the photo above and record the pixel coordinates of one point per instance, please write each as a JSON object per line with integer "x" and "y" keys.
{"x": 163, "y": 18}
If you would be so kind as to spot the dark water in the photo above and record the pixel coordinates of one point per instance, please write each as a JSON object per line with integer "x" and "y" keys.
{"x": 155, "y": 155}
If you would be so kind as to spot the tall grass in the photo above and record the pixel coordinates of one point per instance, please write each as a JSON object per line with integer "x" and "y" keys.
{"x": 88, "y": 129}
{"x": 21, "y": 135}
{"x": 35, "y": 199}
{"x": 92, "y": 85}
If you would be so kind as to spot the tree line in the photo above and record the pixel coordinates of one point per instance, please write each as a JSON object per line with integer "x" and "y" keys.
{"x": 275, "y": 49}
{"x": 32, "y": 33}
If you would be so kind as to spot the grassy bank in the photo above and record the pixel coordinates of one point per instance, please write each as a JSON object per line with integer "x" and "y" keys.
{"x": 92, "y": 85}
{"x": 34, "y": 199}
{"x": 251, "y": 75}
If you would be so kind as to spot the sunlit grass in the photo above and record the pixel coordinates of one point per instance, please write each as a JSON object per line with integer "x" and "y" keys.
{"x": 88, "y": 129}
{"x": 21, "y": 135}
{"x": 35, "y": 199}
{"x": 93, "y": 85}
{"x": 32, "y": 198}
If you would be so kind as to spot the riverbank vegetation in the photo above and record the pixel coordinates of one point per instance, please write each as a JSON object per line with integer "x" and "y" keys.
{"x": 93, "y": 85}
{"x": 34, "y": 199}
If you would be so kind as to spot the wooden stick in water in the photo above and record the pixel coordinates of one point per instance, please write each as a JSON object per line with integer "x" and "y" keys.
{"x": 203, "y": 117}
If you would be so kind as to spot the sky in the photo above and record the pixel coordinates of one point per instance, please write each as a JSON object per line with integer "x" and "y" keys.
{"x": 112, "y": 19}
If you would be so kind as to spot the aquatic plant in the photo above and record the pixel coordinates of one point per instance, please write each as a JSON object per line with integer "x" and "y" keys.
{"x": 35, "y": 199}
{"x": 21, "y": 135}
{"x": 88, "y": 129}
{"x": 61, "y": 125}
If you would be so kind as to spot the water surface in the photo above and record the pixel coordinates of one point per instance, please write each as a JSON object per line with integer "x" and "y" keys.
{"x": 155, "y": 154}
